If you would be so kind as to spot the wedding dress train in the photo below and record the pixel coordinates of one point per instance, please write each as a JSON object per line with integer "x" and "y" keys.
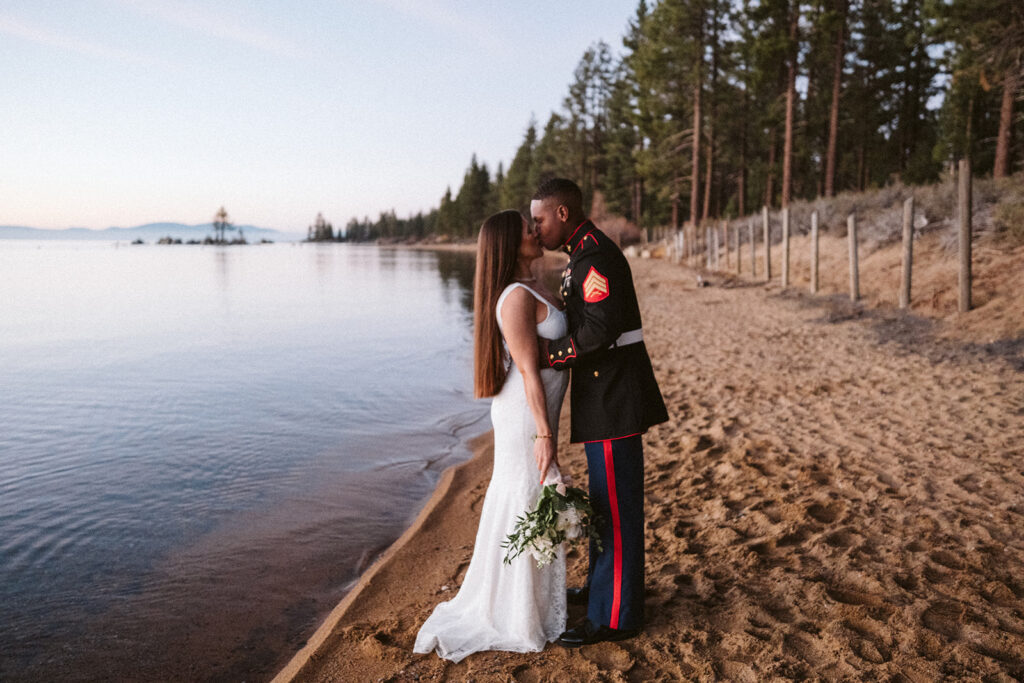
{"x": 517, "y": 607}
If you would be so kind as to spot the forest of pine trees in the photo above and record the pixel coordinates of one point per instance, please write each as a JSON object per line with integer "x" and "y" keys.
{"x": 713, "y": 108}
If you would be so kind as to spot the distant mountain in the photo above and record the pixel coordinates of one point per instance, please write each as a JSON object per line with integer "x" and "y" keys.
{"x": 149, "y": 232}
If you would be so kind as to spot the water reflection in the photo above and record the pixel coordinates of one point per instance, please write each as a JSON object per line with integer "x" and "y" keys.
{"x": 221, "y": 257}
{"x": 457, "y": 269}
{"x": 163, "y": 450}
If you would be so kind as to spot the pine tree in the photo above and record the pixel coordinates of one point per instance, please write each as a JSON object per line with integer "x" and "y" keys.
{"x": 623, "y": 184}
{"x": 587, "y": 115}
{"x": 987, "y": 39}
{"x": 321, "y": 230}
{"x": 221, "y": 223}
{"x": 516, "y": 191}
{"x": 668, "y": 64}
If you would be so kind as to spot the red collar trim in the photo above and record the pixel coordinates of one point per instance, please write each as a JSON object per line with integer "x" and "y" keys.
{"x": 589, "y": 234}
{"x": 566, "y": 243}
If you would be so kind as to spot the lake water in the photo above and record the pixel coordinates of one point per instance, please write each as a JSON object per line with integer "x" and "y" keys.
{"x": 202, "y": 447}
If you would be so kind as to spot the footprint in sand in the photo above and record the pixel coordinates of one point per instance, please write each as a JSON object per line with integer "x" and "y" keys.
{"x": 868, "y": 640}
{"x": 933, "y": 574}
{"x": 968, "y": 483}
{"x": 610, "y": 658}
{"x": 998, "y": 594}
{"x": 946, "y": 559}
{"x": 855, "y": 589}
{"x": 944, "y": 617}
{"x": 704, "y": 442}
{"x": 731, "y": 670}
{"x": 683, "y": 529}
{"x": 850, "y": 596}
{"x": 804, "y": 647}
{"x": 826, "y": 513}
{"x": 795, "y": 537}
{"x": 1002, "y": 649}
{"x": 907, "y": 581}
{"x": 844, "y": 538}
{"x": 870, "y": 652}
{"x": 777, "y": 611}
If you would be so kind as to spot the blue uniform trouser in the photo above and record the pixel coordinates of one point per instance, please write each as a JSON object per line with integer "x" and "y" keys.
{"x": 616, "y": 577}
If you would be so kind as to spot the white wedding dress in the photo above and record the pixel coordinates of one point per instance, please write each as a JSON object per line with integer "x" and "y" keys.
{"x": 516, "y": 607}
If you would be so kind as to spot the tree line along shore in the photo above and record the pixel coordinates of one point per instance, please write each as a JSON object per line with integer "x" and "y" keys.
{"x": 713, "y": 109}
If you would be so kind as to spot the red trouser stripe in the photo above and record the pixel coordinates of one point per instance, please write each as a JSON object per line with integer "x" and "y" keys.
{"x": 613, "y": 503}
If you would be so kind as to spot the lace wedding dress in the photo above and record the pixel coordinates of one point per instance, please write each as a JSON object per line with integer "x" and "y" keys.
{"x": 516, "y": 606}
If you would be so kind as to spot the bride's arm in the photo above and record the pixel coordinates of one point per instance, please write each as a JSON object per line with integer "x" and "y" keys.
{"x": 519, "y": 321}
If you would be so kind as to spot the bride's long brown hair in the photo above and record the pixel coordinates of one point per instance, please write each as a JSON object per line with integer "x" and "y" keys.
{"x": 497, "y": 249}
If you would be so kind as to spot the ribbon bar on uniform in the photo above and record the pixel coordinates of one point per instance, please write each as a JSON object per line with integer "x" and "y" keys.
{"x": 626, "y": 338}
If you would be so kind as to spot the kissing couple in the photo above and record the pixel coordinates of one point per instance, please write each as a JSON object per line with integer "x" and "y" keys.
{"x": 527, "y": 344}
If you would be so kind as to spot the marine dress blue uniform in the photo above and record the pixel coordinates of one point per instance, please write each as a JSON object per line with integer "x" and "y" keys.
{"x": 614, "y": 399}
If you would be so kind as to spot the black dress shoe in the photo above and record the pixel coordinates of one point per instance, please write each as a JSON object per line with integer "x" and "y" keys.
{"x": 586, "y": 634}
{"x": 577, "y": 596}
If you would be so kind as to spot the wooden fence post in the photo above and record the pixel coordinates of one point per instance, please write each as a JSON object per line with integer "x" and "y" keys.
{"x": 739, "y": 250}
{"x": 714, "y": 249}
{"x": 814, "y": 252}
{"x": 707, "y": 247}
{"x": 785, "y": 247}
{"x": 698, "y": 245}
{"x": 753, "y": 249}
{"x": 964, "y": 182}
{"x": 767, "y": 245}
{"x": 728, "y": 245}
{"x": 851, "y": 229}
{"x": 908, "y": 251}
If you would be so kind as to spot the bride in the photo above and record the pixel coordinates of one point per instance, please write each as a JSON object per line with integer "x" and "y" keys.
{"x": 518, "y": 606}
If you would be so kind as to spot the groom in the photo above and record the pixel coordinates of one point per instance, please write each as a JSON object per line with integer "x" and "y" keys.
{"x": 615, "y": 398}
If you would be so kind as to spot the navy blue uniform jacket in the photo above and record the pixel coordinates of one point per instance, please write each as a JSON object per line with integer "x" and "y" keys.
{"x": 613, "y": 390}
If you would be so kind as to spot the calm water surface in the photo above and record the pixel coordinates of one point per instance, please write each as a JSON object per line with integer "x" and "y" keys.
{"x": 202, "y": 447}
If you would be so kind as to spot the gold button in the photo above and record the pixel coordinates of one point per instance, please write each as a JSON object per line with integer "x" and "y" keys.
{"x": 559, "y": 353}
{"x": 595, "y": 373}
{"x": 551, "y": 356}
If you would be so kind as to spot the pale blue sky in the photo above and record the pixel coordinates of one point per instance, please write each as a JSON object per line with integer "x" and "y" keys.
{"x": 121, "y": 112}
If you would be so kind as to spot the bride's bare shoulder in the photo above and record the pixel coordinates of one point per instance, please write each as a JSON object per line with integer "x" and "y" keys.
{"x": 515, "y": 300}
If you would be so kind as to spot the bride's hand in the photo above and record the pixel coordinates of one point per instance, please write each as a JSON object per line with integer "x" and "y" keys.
{"x": 545, "y": 453}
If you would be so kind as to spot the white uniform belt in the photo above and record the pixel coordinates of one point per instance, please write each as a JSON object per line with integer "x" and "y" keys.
{"x": 626, "y": 338}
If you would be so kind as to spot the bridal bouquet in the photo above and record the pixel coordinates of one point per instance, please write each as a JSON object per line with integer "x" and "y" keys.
{"x": 562, "y": 513}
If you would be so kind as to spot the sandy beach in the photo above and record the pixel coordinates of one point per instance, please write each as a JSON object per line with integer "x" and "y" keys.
{"x": 839, "y": 495}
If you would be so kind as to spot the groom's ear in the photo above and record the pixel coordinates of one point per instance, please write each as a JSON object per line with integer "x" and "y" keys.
{"x": 563, "y": 213}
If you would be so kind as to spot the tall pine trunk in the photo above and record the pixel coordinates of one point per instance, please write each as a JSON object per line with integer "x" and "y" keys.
{"x": 711, "y": 114}
{"x": 709, "y": 162}
{"x": 695, "y": 162}
{"x": 742, "y": 179}
{"x": 1002, "y": 165}
{"x": 787, "y": 148}
{"x": 833, "y": 116}
{"x": 697, "y": 87}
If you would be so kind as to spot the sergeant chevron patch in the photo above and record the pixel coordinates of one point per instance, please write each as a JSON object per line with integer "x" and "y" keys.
{"x": 595, "y": 287}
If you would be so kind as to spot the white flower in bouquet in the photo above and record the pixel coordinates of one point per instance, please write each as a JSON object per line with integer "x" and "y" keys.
{"x": 543, "y": 550}
{"x": 557, "y": 517}
{"x": 570, "y": 523}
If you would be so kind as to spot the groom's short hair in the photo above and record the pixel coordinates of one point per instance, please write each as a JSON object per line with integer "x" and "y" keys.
{"x": 562, "y": 189}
